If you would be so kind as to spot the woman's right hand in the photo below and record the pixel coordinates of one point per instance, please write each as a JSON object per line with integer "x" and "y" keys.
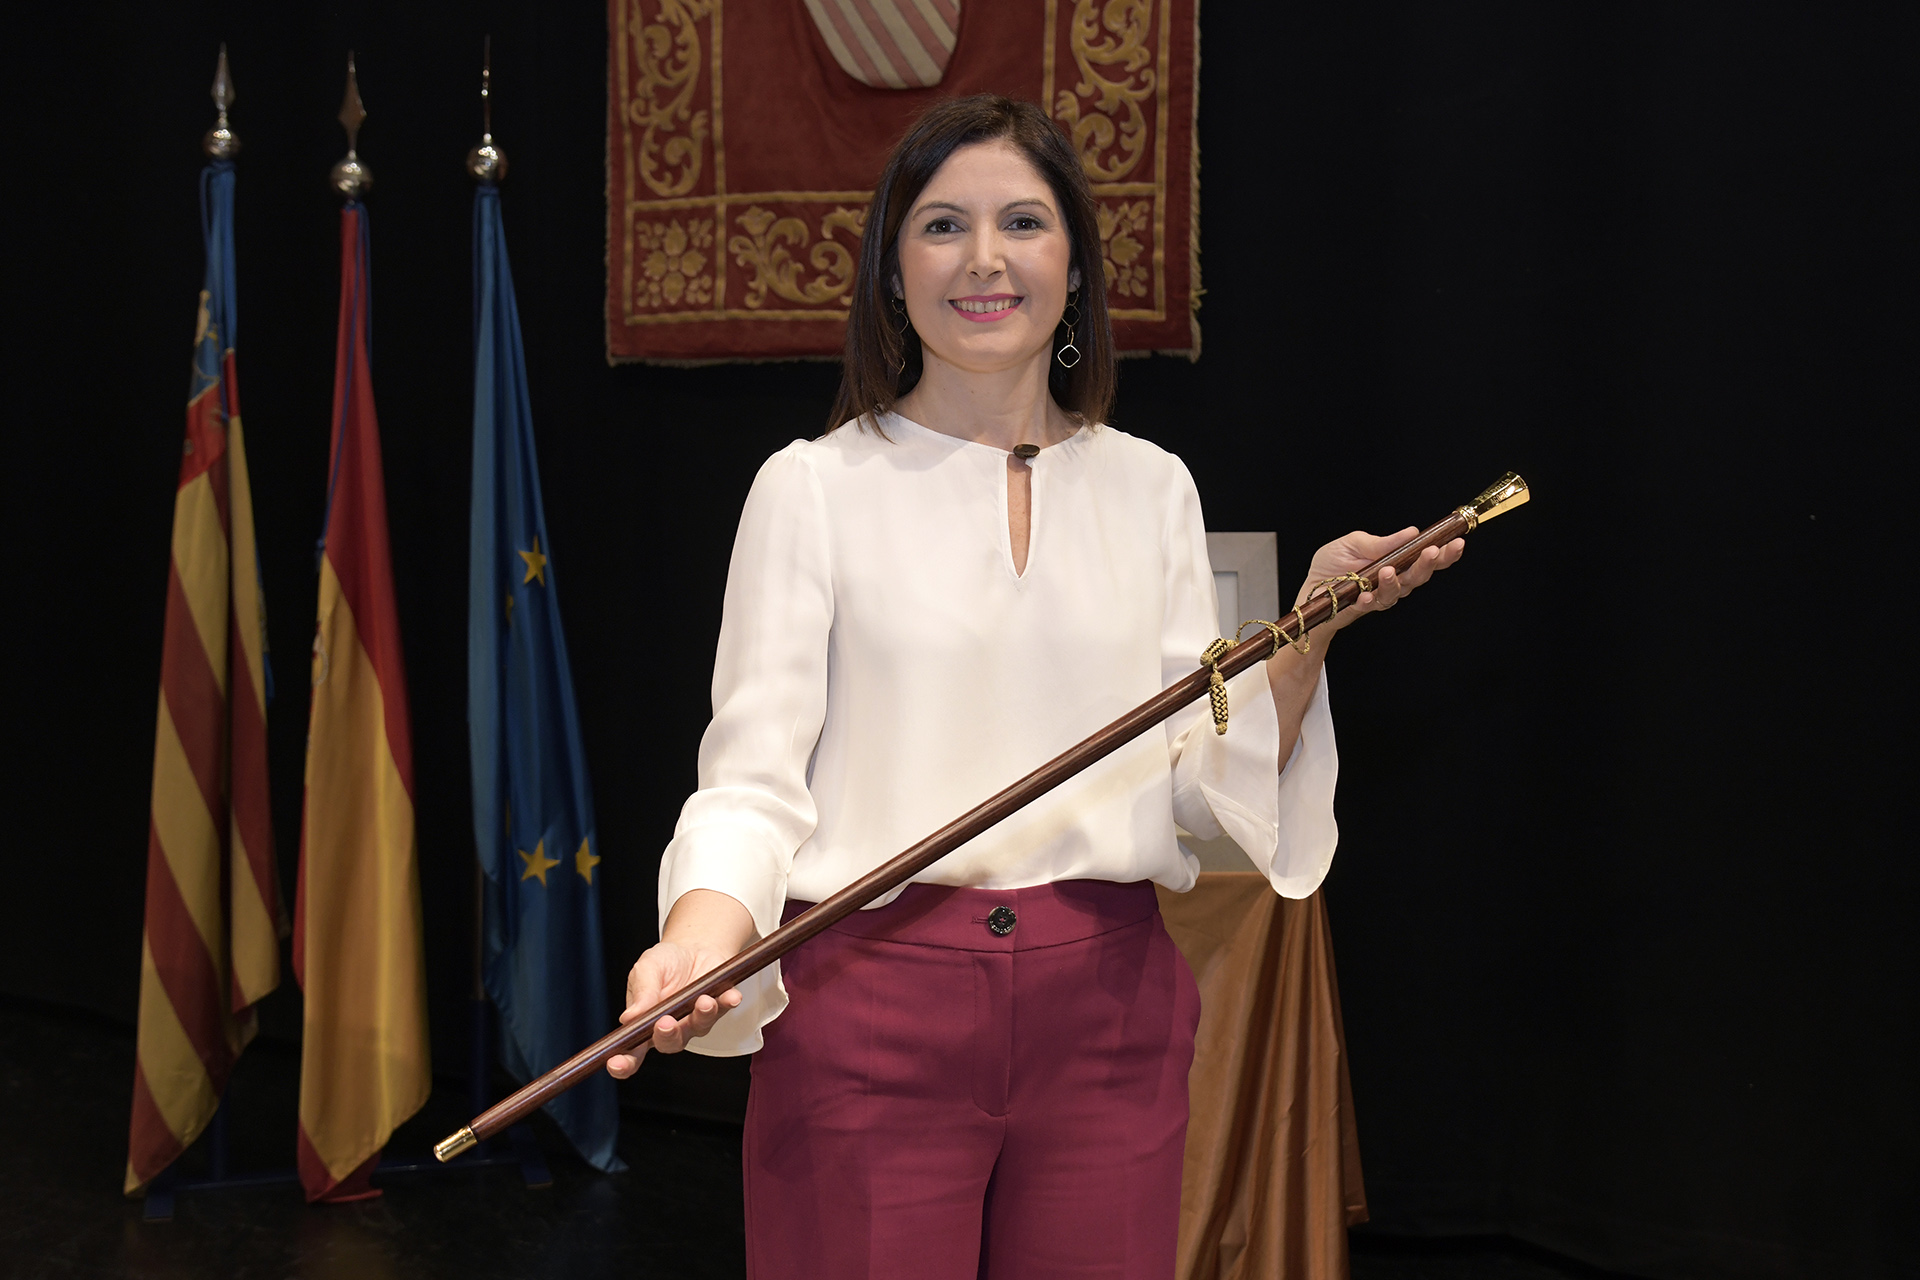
{"x": 704, "y": 930}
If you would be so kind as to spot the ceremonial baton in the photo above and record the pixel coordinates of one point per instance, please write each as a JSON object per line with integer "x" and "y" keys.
{"x": 1221, "y": 660}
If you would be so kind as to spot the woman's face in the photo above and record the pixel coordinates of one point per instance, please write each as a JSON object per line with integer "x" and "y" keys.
{"x": 985, "y": 262}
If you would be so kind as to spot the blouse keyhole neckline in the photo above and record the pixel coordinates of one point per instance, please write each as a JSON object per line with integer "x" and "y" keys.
{"x": 1019, "y": 515}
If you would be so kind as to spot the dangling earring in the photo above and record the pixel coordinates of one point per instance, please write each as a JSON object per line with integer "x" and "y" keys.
{"x": 900, "y": 309}
{"x": 1070, "y": 318}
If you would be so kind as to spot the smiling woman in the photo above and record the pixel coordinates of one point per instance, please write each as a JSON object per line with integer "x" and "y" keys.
{"x": 983, "y": 1075}
{"x": 1039, "y": 211}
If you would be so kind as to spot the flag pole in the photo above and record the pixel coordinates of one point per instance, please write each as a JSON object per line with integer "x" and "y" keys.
{"x": 220, "y": 144}
{"x": 487, "y": 163}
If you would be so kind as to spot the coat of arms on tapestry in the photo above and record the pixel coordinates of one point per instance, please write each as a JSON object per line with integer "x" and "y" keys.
{"x": 743, "y": 137}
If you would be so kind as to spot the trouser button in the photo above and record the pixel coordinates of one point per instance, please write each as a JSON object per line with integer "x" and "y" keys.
{"x": 1000, "y": 921}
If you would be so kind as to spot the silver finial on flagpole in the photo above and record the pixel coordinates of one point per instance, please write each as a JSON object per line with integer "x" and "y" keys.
{"x": 351, "y": 178}
{"x": 486, "y": 162}
{"x": 220, "y": 142}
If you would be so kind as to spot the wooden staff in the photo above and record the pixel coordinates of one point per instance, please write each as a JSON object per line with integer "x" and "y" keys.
{"x": 1222, "y": 660}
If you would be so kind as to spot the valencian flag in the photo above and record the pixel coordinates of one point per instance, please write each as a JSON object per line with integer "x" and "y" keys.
{"x": 356, "y": 941}
{"x": 532, "y": 809}
{"x": 213, "y": 903}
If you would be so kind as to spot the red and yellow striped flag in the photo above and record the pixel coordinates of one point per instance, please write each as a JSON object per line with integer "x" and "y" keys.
{"x": 213, "y": 902}
{"x": 356, "y": 942}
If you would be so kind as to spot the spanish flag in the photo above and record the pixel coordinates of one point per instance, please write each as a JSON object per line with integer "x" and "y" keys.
{"x": 214, "y": 918}
{"x": 356, "y": 941}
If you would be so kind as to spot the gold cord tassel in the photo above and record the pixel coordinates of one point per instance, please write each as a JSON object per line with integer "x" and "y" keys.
{"x": 1217, "y": 686}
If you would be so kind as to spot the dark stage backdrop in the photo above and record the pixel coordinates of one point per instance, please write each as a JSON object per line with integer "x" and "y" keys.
{"x": 1624, "y": 918}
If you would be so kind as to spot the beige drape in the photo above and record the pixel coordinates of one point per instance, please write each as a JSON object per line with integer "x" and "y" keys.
{"x": 1272, "y": 1176}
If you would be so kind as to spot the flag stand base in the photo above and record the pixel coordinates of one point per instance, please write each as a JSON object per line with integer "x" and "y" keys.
{"x": 519, "y": 1148}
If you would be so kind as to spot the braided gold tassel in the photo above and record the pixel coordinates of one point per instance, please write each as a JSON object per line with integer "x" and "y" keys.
{"x": 1217, "y": 686}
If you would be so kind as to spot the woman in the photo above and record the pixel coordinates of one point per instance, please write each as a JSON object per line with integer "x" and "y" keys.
{"x": 968, "y": 573}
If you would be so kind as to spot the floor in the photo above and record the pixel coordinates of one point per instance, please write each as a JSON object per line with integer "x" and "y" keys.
{"x": 1476, "y": 1258}
{"x": 64, "y": 1080}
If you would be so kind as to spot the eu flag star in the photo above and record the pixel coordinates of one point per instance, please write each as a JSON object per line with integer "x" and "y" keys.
{"x": 536, "y": 564}
{"x": 537, "y": 863}
{"x": 584, "y": 861}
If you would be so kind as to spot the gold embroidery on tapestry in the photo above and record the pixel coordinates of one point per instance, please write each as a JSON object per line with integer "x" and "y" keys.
{"x": 777, "y": 269}
{"x": 673, "y": 268}
{"x": 1111, "y": 135}
{"x": 676, "y": 262}
{"x": 667, "y": 53}
{"x": 1122, "y": 223}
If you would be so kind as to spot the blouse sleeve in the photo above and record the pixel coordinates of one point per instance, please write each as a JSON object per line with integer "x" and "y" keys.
{"x": 738, "y": 833}
{"x": 1231, "y": 784}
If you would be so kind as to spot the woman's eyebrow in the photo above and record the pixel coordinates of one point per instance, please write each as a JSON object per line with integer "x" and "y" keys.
{"x": 921, "y": 211}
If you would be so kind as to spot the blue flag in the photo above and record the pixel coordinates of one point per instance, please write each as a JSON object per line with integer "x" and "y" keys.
{"x": 532, "y": 808}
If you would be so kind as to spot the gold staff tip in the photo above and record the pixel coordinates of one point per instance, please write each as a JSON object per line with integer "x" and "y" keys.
{"x": 351, "y": 178}
{"x": 1500, "y": 497}
{"x": 449, "y": 1147}
{"x": 487, "y": 162}
{"x": 220, "y": 142}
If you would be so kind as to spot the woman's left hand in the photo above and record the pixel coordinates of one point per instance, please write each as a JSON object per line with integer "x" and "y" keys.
{"x": 1358, "y": 550}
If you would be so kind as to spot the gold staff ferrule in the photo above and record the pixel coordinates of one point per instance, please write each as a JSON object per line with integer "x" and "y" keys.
{"x": 447, "y": 1148}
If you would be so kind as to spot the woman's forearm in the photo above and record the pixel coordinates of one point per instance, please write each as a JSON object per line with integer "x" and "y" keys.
{"x": 708, "y": 920}
{"x": 1293, "y": 677}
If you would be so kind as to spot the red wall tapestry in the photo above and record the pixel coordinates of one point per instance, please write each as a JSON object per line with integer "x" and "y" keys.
{"x": 743, "y": 137}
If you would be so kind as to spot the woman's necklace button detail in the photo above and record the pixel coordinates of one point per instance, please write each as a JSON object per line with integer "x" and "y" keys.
{"x": 1000, "y": 921}
{"x": 1026, "y": 451}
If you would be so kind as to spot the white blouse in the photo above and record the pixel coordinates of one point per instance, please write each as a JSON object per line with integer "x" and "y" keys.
{"x": 882, "y": 669}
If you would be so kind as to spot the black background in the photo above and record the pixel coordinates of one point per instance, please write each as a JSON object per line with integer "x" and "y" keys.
{"x": 1623, "y": 916}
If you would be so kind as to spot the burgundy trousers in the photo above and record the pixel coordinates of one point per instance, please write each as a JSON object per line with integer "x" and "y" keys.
{"x": 975, "y": 1083}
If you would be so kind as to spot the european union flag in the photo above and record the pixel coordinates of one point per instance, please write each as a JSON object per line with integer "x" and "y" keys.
{"x": 532, "y": 809}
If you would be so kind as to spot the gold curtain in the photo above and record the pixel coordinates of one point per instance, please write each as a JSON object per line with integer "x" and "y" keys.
{"x": 1272, "y": 1176}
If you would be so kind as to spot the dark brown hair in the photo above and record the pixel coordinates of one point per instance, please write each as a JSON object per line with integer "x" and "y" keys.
{"x": 881, "y": 363}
